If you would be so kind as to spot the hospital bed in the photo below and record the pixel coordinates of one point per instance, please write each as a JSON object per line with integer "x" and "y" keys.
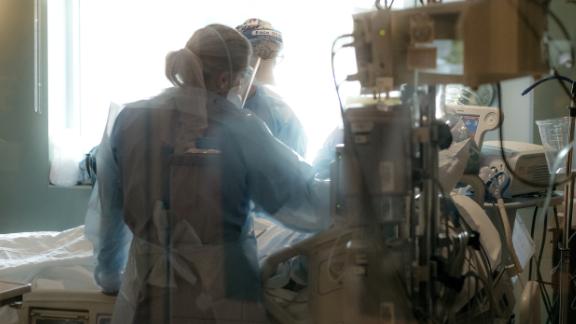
{"x": 59, "y": 268}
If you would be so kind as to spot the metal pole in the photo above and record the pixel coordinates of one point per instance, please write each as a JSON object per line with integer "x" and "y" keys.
{"x": 430, "y": 195}
{"x": 565, "y": 277}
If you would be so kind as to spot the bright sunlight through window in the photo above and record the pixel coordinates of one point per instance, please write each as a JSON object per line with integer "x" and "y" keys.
{"x": 103, "y": 51}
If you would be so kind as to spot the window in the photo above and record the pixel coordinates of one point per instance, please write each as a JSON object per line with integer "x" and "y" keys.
{"x": 103, "y": 51}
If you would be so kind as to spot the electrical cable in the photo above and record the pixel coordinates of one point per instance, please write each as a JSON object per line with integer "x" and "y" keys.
{"x": 570, "y": 93}
{"x": 556, "y": 218}
{"x": 568, "y": 194}
{"x": 564, "y": 87}
{"x": 487, "y": 284}
{"x": 532, "y": 230}
{"x": 544, "y": 214}
{"x": 336, "y": 85}
{"x": 573, "y": 303}
{"x": 553, "y": 77}
{"x": 469, "y": 292}
{"x": 483, "y": 259}
{"x": 543, "y": 290}
{"x": 552, "y": 317}
{"x": 487, "y": 287}
{"x": 547, "y": 283}
{"x": 347, "y": 135}
{"x": 486, "y": 259}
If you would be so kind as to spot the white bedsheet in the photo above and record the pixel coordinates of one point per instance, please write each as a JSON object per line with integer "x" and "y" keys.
{"x": 64, "y": 260}
{"x": 48, "y": 259}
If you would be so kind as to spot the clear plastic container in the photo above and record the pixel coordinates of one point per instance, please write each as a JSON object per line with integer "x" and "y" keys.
{"x": 554, "y": 134}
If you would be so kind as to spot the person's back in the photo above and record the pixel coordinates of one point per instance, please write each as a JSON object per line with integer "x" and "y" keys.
{"x": 236, "y": 134}
{"x": 224, "y": 243}
{"x": 197, "y": 264}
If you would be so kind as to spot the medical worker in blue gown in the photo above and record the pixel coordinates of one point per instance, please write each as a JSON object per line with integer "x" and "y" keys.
{"x": 269, "y": 106}
{"x": 266, "y": 104}
{"x": 200, "y": 265}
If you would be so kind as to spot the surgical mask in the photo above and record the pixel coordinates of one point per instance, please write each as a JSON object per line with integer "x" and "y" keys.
{"x": 235, "y": 98}
{"x": 239, "y": 93}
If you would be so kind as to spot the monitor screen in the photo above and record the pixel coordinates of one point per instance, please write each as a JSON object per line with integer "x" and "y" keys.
{"x": 463, "y": 127}
{"x": 471, "y": 123}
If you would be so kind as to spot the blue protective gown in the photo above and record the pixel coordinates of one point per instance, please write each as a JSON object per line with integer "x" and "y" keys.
{"x": 327, "y": 153}
{"x": 213, "y": 275}
{"x": 279, "y": 118}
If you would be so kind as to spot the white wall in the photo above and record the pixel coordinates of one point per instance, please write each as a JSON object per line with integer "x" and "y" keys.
{"x": 518, "y": 111}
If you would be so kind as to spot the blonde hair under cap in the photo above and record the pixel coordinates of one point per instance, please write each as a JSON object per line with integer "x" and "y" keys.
{"x": 210, "y": 51}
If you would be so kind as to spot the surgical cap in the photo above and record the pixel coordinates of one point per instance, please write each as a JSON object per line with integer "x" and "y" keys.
{"x": 266, "y": 41}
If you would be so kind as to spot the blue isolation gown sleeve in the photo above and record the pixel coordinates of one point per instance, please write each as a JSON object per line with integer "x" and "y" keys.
{"x": 279, "y": 117}
{"x": 327, "y": 153}
{"x": 282, "y": 183}
{"x": 111, "y": 237}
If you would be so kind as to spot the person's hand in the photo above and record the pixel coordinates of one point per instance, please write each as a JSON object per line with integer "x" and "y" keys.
{"x": 109, "y": 282}
{"x": 110, "y": 293}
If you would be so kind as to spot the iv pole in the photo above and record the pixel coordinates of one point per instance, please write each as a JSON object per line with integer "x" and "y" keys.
{"x": 565, "y": 277}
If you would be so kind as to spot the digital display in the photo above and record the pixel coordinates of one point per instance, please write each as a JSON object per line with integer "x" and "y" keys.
{"x": 463, "y": 127}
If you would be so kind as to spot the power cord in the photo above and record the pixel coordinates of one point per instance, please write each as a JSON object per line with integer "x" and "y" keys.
{"x": 336, "y": 84}
{"x": 543, "y": 290}
{"x": 532, "y": 230}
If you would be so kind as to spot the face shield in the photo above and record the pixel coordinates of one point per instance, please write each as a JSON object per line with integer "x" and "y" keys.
{"x": 239, "y": 93}
{"x": 266, "y": 45}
